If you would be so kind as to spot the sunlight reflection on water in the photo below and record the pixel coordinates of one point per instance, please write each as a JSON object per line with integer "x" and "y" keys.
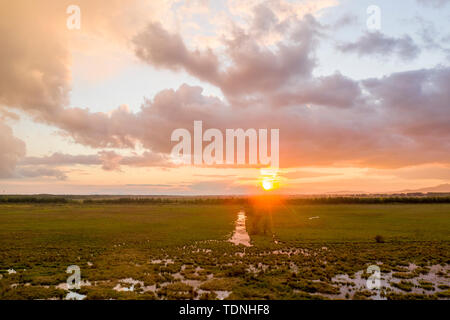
{"x": 240, "y": 235}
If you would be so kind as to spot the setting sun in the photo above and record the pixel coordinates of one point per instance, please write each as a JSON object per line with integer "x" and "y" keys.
{"x": 267, "y": 185}
{"x": 269, "y": 179}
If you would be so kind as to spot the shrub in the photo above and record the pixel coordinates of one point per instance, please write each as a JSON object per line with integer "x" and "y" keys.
{"x": 379, "y": 239}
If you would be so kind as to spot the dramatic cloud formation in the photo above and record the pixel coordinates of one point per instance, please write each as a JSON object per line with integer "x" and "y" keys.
{"x": 275, "y": 73}
{"x": 263, "y": 56}
{"x": 395, "y": 108}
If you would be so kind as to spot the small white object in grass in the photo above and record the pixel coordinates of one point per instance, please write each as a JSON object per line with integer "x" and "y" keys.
{"x": 11, "y": 271}
{"x": 316, "y": 217}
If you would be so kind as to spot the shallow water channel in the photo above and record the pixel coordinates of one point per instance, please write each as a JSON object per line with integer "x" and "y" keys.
{"x": 240, "y": 235}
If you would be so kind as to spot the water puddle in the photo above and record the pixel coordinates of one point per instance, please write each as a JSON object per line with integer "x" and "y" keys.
{"x": 75, "y": 296}
{"x": 130, "y": 285}
{"x": 240, "y": 235}
{"x": 128, "y": 281}
{"x": 65, "y": 286}
{"x": 389, "y": 282}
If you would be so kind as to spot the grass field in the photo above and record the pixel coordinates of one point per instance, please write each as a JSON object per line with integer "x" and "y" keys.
{"x": 181, "y": 251}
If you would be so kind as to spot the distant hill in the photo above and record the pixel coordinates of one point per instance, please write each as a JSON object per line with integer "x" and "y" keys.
{"x": 443, "y": 188}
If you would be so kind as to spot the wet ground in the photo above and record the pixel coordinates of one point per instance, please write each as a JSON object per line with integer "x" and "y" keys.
{"x": 243, "y": 267}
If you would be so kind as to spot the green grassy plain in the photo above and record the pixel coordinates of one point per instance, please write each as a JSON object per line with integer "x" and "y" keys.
{"x": 362, "y": 222}
{"x": 180, "y": 251}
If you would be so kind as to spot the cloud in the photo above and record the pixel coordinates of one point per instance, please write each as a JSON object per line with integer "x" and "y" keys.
{"x": 265, "y": 70}
{"x": 432, "y": 39}
{"x": 345, "y": 20}
{"x": 38, "y": 172}
{"x": 282, "y": 9}
{"x": 380, "y": 45}
{"x": 415, "y": 104}
{"x": 34, "y": 64}
{"x": 269, "y": 76}
{"x": 274, "y": 73}
{"x": 401, "y": 120}
{"x": 5, "y": 114}
{"x": 160, "y": 48}
{"x": 112, "y": 161}
{"x": 61, "y": 159}
{"x": 108, "y": 160}
{"x": 333, "y": 91}
{"x": 12, "y": 149}
{"x": 38, "y": 49}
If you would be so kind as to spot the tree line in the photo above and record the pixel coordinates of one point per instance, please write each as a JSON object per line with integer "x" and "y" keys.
{"x": 226, "y": 200}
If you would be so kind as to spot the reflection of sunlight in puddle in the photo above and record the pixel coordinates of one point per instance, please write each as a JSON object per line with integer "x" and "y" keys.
{"x": 240, "y": 235}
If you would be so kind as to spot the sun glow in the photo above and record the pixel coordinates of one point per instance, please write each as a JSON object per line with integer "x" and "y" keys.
{"x": 267, "y": 185}
{"x": 269, "y": 179}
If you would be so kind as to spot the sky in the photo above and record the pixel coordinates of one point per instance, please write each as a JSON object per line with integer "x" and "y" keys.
{"x": 360, "y": 97}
